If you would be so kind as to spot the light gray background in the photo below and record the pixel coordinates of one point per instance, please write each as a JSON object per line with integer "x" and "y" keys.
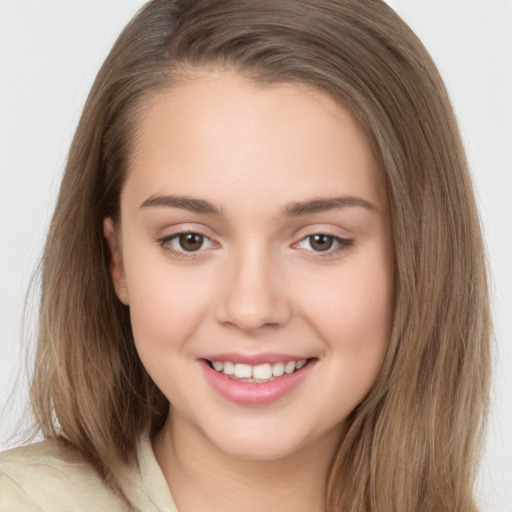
{"x": 49, "y": 53}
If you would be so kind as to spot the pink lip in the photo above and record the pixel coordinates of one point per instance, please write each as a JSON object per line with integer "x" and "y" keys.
{"x": 249, "y": 393}
{"x": 254, "y": 359}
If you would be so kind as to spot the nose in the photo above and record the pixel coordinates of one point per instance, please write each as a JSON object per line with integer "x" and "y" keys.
{"x": 253, "y": 294}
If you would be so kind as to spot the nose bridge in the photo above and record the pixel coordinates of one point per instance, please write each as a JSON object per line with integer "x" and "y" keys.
{"x": 252, "y": 295}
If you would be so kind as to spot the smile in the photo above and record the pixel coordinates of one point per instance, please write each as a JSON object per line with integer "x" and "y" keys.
{"x": 256, "y": 384}
{"x": 260, "y": 373}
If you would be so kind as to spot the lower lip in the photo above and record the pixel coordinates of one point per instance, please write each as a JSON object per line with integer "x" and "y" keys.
{"x": 250, "y": 393}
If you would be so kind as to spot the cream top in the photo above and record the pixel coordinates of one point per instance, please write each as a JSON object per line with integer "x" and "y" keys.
{"x": 47, "y": 477}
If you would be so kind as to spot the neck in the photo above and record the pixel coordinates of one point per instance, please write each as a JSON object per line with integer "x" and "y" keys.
{"x": 203, "y": 478}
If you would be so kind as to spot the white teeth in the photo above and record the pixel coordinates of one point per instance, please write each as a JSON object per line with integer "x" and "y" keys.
{"x": 262, "y": 371}
{"x": 300, "y": 364}
{"x": 243, "y": 371}
{"x": 289, "y": 367}
{"x": 277, "y": 369}
{"x": 259, "y": 373}
{"x": 229, "y": 368}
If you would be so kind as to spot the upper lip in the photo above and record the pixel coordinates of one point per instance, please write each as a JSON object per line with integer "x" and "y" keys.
{"x": 254, "y": 359}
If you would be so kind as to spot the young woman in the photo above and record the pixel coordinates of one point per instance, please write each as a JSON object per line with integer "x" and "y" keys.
{"x": 264, "y": 285}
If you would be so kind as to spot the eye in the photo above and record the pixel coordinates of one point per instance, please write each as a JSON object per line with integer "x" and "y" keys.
{"x": 186, "y": 242}
{"x": 190, "y": 242}
{"x": 322, "y": 242}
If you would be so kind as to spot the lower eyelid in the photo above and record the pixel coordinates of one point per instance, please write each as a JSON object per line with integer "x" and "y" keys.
{"x": 342, "y": 242}
{"x": 166, "y": 242}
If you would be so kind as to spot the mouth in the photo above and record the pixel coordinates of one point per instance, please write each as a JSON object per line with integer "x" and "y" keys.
{"x": 259, "y": 374}
{"x": 256, "y": 384}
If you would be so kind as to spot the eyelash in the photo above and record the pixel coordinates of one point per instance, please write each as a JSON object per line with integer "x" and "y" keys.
{"x": 166, "y": 242}
{"x": 339, "y": 244}
{"x": 342, "y": 244}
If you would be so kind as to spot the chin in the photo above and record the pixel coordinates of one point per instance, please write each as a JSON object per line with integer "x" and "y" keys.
{"x": 258, "y": 442}
{"x": 258, "y": 450}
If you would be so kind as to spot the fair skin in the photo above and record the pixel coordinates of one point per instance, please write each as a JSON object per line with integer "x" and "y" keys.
{"x": 259, "y": 280}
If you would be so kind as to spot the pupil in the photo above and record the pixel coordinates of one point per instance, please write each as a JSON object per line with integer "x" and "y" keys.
{"x": 191, "y": 241}
{"x": 321, "y": 242}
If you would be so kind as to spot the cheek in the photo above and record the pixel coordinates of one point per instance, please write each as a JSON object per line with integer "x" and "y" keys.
{"x": 166, "y": 303}
{"x": 166, "y": 309}
{"x": 353, "y": 319}
{"x": 358, "y": 298}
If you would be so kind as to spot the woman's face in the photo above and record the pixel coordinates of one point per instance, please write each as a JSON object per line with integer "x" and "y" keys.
{"x": 254, "y": 240}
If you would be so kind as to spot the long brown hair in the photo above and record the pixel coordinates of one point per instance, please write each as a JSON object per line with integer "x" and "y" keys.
{"x": 412, "y": 444}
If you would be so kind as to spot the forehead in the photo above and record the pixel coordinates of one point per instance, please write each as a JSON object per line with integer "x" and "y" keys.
{"x": 219, "y": 131}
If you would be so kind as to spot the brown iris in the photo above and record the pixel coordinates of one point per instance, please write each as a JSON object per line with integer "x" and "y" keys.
{"x": 191, "y": 241}
{"x": 321, "y": 242}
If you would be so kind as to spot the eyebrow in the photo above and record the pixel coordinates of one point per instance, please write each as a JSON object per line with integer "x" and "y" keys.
{"x": 184, "y": 203}
{"x": 204, "y": 207}
{"x": 326, "y": 204}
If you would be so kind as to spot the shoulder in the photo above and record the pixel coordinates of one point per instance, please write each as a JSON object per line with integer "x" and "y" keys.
{"x": 50, "y": 476}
